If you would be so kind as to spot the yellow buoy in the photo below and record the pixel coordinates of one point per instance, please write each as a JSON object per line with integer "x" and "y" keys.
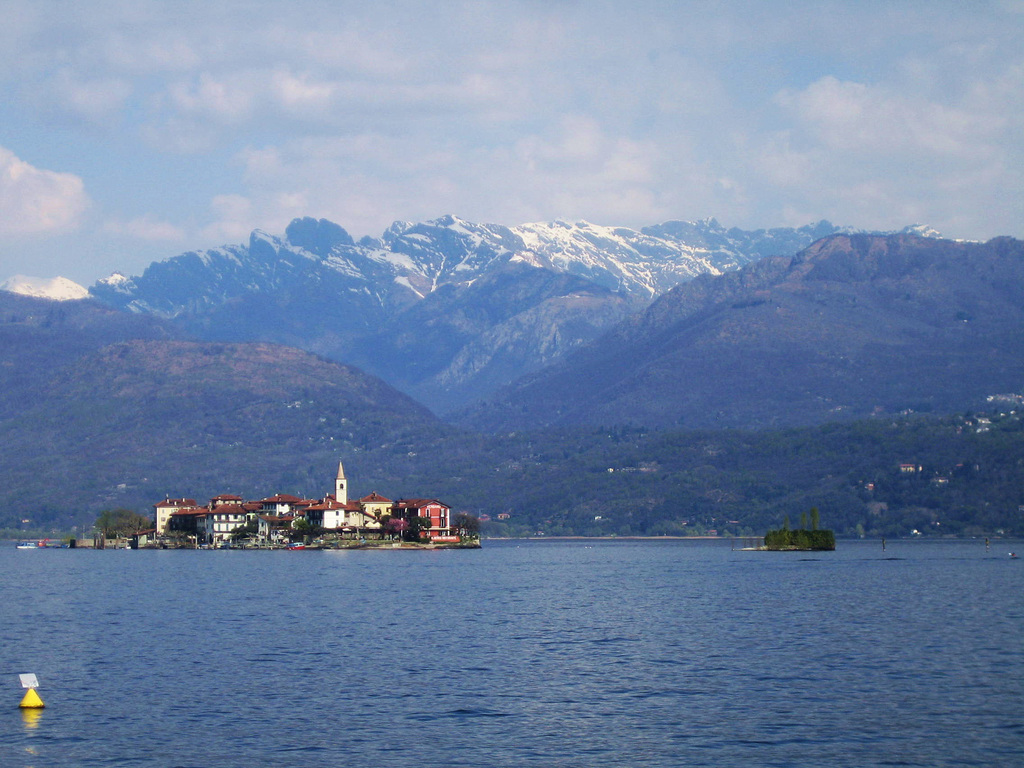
{"x": 31, "y": 700}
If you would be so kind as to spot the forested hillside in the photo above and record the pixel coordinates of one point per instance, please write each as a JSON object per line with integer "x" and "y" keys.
{"x": 93, "y": 418}
{"x": 967, "y": 475}
{"x": 967, "y": 478}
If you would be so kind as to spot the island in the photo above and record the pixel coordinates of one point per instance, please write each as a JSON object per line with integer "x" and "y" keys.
{"x": 283, "y": 521}
{"x": 801, "y": 539}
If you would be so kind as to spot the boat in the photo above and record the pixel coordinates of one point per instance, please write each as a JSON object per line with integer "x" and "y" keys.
{"x": 42, "y": 544}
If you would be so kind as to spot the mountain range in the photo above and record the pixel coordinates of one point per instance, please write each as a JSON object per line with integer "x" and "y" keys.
{"x": 594, "y": 397}
{"x": 445, "y": 310}
{"x": 852, "y": 326}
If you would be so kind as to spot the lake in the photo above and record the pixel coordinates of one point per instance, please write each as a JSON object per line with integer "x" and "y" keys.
{"x": 540, "y": 653}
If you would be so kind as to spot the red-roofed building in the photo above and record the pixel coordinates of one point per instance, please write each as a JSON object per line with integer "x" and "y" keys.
{"x": 375, "y": 505}
{"x": 225, "y": 498}
{"x": 188, "y": 521}
{"x": 164, "y": 509}
{"x": 222, "y": 520}
{"x": 333, "y": 516}
{"x": 433, "y": 510}
{"x": 283, "y": 504}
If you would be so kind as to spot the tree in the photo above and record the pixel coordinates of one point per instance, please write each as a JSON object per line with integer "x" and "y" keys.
{"x": 302, "y": 528}
{"x": 467, "y": 524}
{"x": 120, "y": 523}
{"x": 395, "y": 526}
{"x": 814, "y": 518}
{"x": 246, "y": 530}
{"x": 417, "y": 526}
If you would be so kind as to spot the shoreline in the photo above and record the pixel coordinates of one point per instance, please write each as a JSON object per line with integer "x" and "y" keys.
{"x": 360, "y": 545}
{"x": 732, "y": 540}
{"x": 478, "y": 542}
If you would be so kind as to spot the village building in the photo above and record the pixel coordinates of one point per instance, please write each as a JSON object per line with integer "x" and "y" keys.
{"x": 221, "y": 521}
{"x": 284, "y": 504}
{"x": 164, "y": 509}
{"x": 225, "y": 498}
{"x": 346, "y": 518}
{"x": 433, "y": 510}
{"x": 187, "y": 523}
{"x": 273, "y": 529}
{"x": 375, "y": 505}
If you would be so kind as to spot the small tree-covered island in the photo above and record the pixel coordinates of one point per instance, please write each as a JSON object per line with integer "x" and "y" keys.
{"x": 803, "y": 538}
{"x": 285, "y": 521}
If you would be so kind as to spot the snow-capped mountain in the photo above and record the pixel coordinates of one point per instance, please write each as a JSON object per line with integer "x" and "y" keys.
{"x": 57, "y": 289}
{"x": 445, "y": 309}
{"x": 421, "y": 257}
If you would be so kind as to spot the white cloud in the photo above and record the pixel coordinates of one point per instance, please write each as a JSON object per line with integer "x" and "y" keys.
{"x": 577, "y": 169}
{"x": 224, "y": 99}
{"x": 97, "y": 100}
{"x": 145, "y": 228}
{"x": 35, "y": 201}
{"x": 855, "y": 117}
{"x": 234, "y": 218}
{"x": 885, "y": 154}
{"x": 299, "y": 91}
{"x": 233, "y": 116}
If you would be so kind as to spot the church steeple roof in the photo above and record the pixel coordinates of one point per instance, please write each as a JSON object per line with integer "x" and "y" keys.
{"x": 341, "y": 485}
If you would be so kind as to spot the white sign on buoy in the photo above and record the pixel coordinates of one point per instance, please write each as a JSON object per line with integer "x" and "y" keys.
{"x": 31, "y": 700}
{"x": 29, "y": 681}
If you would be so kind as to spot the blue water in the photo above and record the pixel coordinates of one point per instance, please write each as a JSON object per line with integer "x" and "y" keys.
{"x": 622, "y": 653}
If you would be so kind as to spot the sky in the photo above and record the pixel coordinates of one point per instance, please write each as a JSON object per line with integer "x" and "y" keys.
{"x": 134, "y": 131}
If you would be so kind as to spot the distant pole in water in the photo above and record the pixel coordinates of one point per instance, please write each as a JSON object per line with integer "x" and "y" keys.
{"x": 883, "y": 543}
{"x": 986, "y": 543}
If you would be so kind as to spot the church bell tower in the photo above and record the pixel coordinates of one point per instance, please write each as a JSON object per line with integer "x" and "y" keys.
{"x": 341, "y": 486}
